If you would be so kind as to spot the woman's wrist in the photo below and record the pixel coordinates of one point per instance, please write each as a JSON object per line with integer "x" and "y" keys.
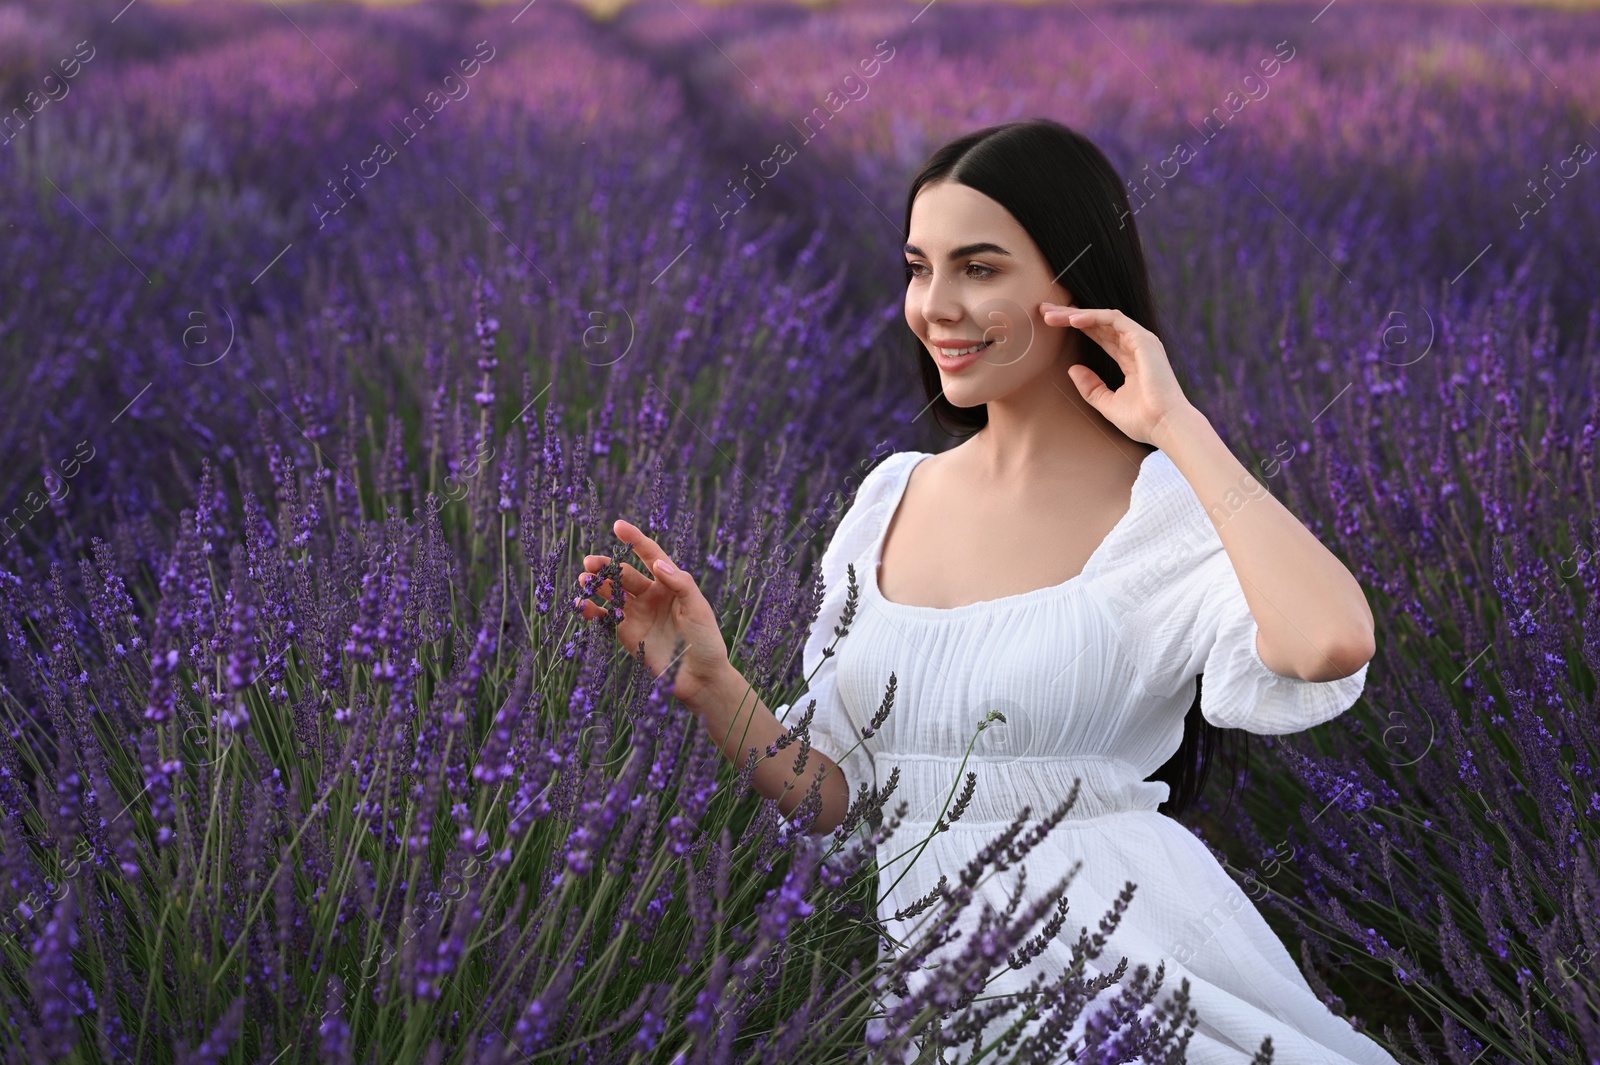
{"x": 726, "y": 688}
{"x": 1178, "y": 424}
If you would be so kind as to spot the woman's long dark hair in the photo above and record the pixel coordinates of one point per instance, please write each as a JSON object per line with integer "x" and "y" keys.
{"x": 1063, "y": 190}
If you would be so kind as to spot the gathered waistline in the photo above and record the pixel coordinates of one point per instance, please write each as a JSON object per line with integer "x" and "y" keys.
{"x": 932, "y": 784}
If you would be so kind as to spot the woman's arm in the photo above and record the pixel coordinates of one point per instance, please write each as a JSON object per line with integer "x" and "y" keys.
{"x": 1314, "y": 619}
{"x": 669, "y": 611}
{"x": 737, "y": 721}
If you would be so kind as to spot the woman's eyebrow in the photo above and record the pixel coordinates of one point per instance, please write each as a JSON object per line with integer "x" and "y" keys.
{"x": 981, "y": 248}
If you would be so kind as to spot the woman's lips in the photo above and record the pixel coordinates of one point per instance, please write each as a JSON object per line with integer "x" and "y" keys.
{"x": 946, "y": 362}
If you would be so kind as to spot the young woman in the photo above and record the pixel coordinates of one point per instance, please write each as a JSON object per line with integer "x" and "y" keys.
{"x": 1076, "y": 562}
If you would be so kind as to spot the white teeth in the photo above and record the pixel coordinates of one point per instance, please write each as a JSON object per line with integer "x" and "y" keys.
{"x": 964, "y": 351}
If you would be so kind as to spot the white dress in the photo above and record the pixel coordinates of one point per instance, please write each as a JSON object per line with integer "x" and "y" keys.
{"x": 1094, "y": 677}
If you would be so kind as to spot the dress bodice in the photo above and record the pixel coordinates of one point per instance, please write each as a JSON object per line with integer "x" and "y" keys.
{"x": 1093, "y": 675}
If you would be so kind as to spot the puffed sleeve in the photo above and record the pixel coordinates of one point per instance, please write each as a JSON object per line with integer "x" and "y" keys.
{"x": 1181, "y": 610}
{"x": 833, "y": 732}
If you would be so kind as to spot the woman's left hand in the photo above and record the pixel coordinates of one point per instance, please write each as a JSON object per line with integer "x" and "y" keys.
{"x": 1149, "y": 393}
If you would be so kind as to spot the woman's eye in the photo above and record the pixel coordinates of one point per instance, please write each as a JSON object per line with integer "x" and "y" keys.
{"x": 913, "y": 270}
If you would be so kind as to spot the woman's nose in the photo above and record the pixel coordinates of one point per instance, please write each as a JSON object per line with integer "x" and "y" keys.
{"x": 941, "y": 301}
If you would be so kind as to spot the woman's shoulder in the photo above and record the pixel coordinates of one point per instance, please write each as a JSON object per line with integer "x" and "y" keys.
{"x": 896, "y": 459}
{"x": 880, "y": 479}
{"x": 1165, "y": 500}
{"x": 868, "y": 486}
{"x": 1168, "y": 534}
{"x": 863, "y": 498}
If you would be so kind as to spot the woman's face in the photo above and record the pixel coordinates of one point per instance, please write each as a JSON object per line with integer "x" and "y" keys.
{"x": 975, "y": 277}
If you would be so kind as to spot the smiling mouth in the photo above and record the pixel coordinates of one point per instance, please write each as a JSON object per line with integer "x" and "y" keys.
{"x": 961, "y": 353}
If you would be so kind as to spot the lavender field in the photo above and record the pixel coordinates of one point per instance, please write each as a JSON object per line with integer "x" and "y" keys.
{"x": 333, "y": 338}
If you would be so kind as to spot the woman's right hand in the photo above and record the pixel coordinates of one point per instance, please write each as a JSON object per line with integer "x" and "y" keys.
{"x": 660, "y": 612}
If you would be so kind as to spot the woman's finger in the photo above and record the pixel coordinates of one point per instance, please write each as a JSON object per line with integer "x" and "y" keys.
{"x": 1095, "y": 322}
{"x": 633, "y": 582}
{"x": 674, "y": 579}
{"x": 647, "y": 549}
{"x": 656, "y": 561}
{"x": 594, "y": 595}
{"x": 1090, "y": 384}
{"x": 1118, "y": 324}
{"x": 1116, "y": 333}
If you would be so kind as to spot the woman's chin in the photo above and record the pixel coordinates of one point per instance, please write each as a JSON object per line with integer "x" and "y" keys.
{"x": 962, "y": 393}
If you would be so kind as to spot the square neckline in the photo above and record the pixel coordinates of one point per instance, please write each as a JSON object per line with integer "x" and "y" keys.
{"x": 897, "y": 495}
